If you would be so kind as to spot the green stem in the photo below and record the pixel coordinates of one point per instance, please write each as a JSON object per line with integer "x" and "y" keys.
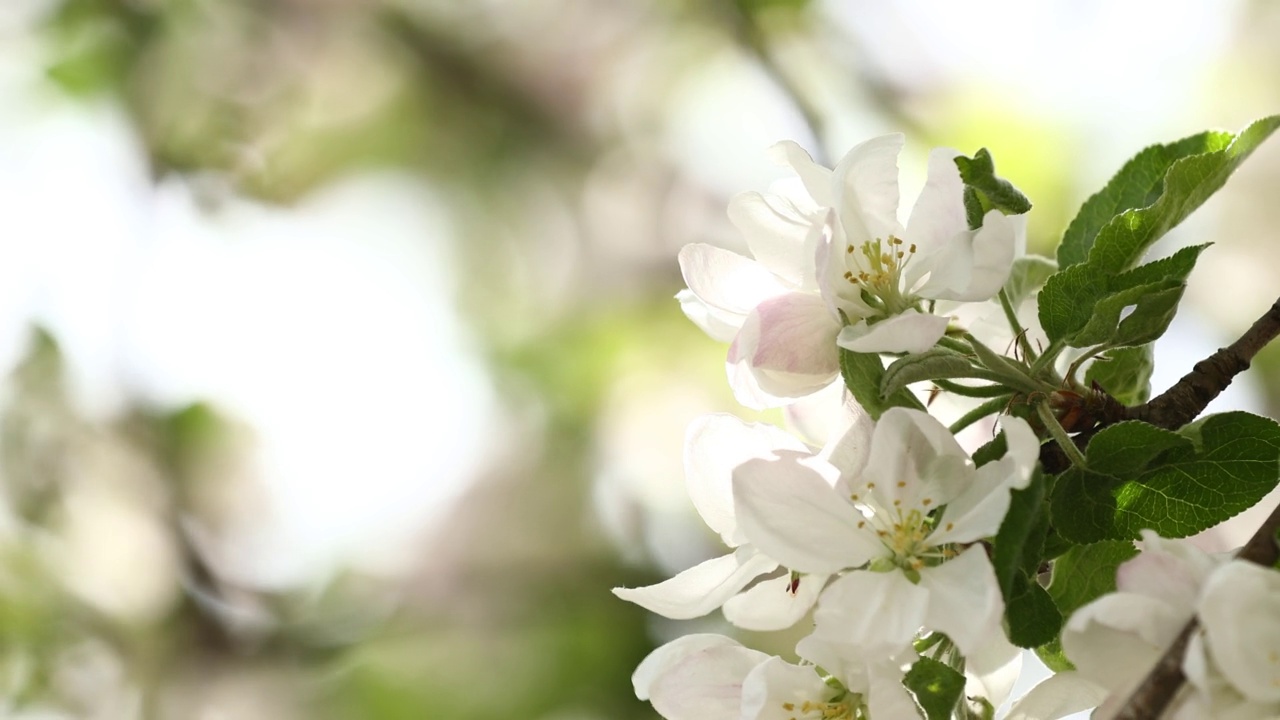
{"x": 973, "y": 391}
{"x": 1019, "y": 332}
{"x": 1046, "y": 358}
{"x": 1060, "y": 435}
{"x": 957, "y": 345}
{"x": 993, "y": 405}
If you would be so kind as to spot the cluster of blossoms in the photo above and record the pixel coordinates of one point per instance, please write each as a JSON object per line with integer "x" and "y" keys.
{"x": 879, "y": 538}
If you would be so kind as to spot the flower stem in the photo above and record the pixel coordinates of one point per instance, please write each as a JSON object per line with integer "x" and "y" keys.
{"x": 1060, "y": 435}
{"x": 1019, "y": 332}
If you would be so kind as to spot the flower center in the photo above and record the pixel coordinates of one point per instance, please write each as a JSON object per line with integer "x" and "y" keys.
{"x": 875, "y": 271}
{"x": 904, "y": 534}
{"x": 848, "y": 708}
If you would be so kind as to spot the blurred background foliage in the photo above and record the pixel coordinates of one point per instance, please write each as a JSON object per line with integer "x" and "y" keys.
{"x": 536, "y": 166}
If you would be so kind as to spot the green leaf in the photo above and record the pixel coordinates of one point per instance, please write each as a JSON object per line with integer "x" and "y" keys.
{"x": 1087, "y": 572}
{"x": 1088, "y": 308}
{"x": 1178, "y": 484}
{"x": 993, "y": 450}
{"x": 1195, "y": 168}
{"x": 1052, "y": 656}
{"x": 932, "y": 364}
{"x": 937, "y": 688}
{"x": 1020, "y": 539}
{"x": 1138, "y": 184}
{"x": 1027, "y": 275}
{"x": 863, "y": 374}
{"x": 1125, "y": 373}
{"x": 1032, "y": 616}
{"x": 993, "y": 192}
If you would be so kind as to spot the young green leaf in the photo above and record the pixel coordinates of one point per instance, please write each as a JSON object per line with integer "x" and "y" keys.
{"x": 937, "y": 688}
{"x": 1138, "y": 184}
{"x": 1028, "y": 275}
{"x": 1125, "y": 373}
{"x": 932, "y": 364}
{"x": 1020, "y": 539}
{"x": 1033, "y": 618}
{"x": 984, "y": 190}
{"x": 863, "y": 374}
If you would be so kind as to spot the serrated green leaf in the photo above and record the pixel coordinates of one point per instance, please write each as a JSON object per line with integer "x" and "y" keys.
{"x": 1086, "y": 308}
{"x": 1020, "y": 539}
{"x": 863, "y": 374}
{"x": 1177, "y": 484}
{"x": 1027, "y": 275}
{"x": 936, "y": 687}
{"x": 1125, "y": 373}
{"x": 994, "y": 192}
{"x": 1087, "y": 572}
{"x": 1032, "y": 617}
{"x": 929, "y": 365}
{"x": 1138, "y": 184}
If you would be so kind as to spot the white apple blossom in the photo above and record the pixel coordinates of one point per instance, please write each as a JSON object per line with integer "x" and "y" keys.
{"x": 714, "y": 446}
{"x": 833, "y": 264}
{"x": 712, "y": 677}
{"x": 873, "y": 513}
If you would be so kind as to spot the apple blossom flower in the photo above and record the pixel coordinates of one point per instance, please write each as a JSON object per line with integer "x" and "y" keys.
{"x": 872, "y": 513}
{"x": 833, "y": 265}
{"x": 714, "y": 446}
{"x": 712, "y": 677}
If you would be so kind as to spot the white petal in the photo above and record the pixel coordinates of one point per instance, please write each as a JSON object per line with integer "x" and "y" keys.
{"x": 848, "y": 452}
{"x": 775, "y": 682}
{"x": 914, "y": 458}
{"x": 702, "y": 588}
{"x": 717, "y": 324}
{"x": 1057, "y": 697}
{"x": 978, "y": 511}
{"x": 910, "y": 332}
{"x": 770, "y": 605}
{"x": 792, "y": 514}
{"x": 779, "y": 235}
{"x": 865, "y": 184}
{"x": 993, "y": 669}
{"x": 888, "y": 698}
{"x": 879, "y": 612}
{"x": 1115, "y": 639}
{"x": 714, "y": 446}
{"x": 1172, "y": 571}
{"x": 821, "y": 416}
{"x": 964, "y": 599}
{"x": 726, "y": 281}
{"x": 974, "y": 265}
{"x": 939, "y": 211}
{"x": 1240, "y": 612}
{"x": 816, "y": 179}
{"x": 664, "y": 657}
{"x": 705, "y": 685}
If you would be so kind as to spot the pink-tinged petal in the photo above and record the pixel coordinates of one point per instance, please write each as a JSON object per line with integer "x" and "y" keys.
{"x": 776, "y": 685}
{"x": 816, "y": 179}
{"x": 913, "y": 458}
{"x": 779, "y": 235}
{"x": 910, "y": 332}
{"x": 964, "y": 599}
{"x": 865, "y": 184}
{"x": 974, "y": 265}
{"x": 788, "y": 346}
{"x": 772, "y": 604}
{"x": 702, "y": 588}
{"x": 791, "y": 513}
{"x": 879, "y": 612}
{"x": 1240, "y": 612}
{"x": 663, "y": 658}
{"x": 715, "y": 445}
{"x": 993, "y": 669}
{"x": 1057, "y": 697}
{"x": 726, "y": 281}
{"x": 938, "y": 214}
{"x": 717, "y": 324}
{"x": 1117, "y": 638}
{"x": 706, "y": 685}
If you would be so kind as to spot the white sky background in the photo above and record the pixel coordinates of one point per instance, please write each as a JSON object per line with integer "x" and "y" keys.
{"x": 328, "y": 327}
